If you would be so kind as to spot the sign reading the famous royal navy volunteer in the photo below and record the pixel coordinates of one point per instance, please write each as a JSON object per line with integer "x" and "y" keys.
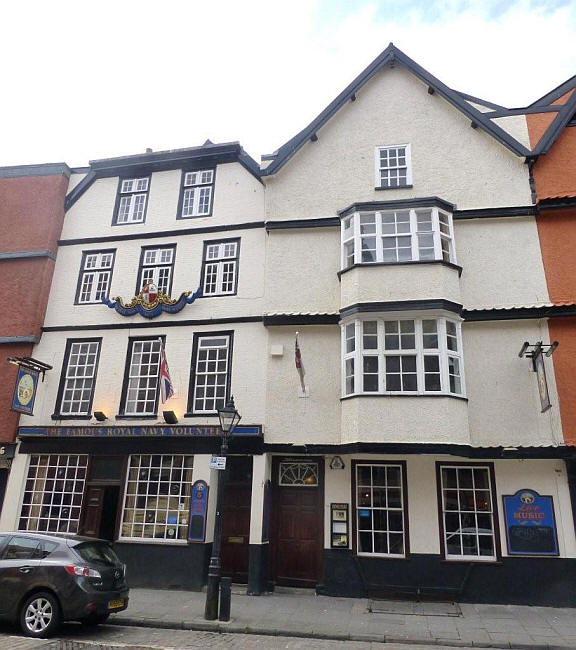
{"x": 25, "y": 390}
{"x": 208, "y": 431}
{"x": 530, "y": 524}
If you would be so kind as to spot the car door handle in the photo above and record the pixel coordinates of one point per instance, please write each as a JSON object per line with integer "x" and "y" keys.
{"x": 25, "y": 569}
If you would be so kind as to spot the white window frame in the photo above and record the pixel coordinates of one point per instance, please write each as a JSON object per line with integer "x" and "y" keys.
{"x": 132, "y": 201}
{"x": 153, "y": 262}
{"x": 220, "y": 267}
{"x": 197, "y": 193}
{"x": 95, "y": 276}
{"x": 158, "y": 505}
{"x": 150, "y": 382}
{"x": 379, "y": 168}
{"x": 79, "y": 376}
{"x": 45, "y": 508}
{"x": 442, "y": 231}
{"x": 205, "y": 368}
{"x": 493, "y": 513}
{"x": 357, "y": 354}
{"x": 402, "y": 509}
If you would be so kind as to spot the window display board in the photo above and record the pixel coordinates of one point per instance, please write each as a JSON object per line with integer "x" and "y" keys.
{"x": 339, "y": 525}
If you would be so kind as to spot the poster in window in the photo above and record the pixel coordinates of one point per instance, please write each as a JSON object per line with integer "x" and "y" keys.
{"x": 542, "y": 382}
{"x": 530, "y": 524}
{"x": 25, "y": 391}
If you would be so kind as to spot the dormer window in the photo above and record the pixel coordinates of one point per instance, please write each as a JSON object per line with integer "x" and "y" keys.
{"x": 131, "y": 200}
{"x": 397, "y": 236}
{"x": 393, "y": 167}
{"x": 196, "y": 194}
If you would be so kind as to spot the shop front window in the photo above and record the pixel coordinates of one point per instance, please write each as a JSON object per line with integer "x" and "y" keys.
{"x": 157, "y": 498}
{"x": 53, "y": 493}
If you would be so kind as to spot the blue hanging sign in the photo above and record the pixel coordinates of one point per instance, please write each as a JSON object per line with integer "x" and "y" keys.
{"x": 198, "y": 509}
{"x": 25, "y": 390}
{"x": 530, "y": 524}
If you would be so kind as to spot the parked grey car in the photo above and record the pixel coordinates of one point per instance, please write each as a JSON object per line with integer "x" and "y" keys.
{"x": 49, "y": 578}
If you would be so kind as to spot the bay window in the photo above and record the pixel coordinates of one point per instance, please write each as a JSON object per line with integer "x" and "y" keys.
{"x": 397, "y": 236}
{"x": 402, "y": 355}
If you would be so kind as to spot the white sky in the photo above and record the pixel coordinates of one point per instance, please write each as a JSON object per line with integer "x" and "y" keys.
{"x": 88, "y": 80}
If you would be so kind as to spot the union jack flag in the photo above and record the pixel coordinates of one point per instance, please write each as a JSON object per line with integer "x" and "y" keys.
{"x": 166, "y": 388}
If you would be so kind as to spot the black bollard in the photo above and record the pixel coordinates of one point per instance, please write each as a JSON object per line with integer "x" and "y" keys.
{"x": 225, "y": 598}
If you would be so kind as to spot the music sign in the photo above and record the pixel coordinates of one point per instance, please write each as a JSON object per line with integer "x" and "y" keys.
{"x": 530, "y": 524}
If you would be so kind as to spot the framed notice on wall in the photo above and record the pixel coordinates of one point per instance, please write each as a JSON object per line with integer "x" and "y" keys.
{"x": 530, "y": 524}
{"x": 198, "y": 509}
{"x": 339, "y": 525}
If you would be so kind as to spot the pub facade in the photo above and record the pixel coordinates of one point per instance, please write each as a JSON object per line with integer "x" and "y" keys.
{"x": 419, "y": 450}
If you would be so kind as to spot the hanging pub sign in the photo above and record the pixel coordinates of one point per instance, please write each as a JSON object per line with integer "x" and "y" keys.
{"x": 152, "y": 302}
{"x": 542, "y": 382}
{"x": 198, "y": 509}
{"x": 530, "y": 524}
{"x": 25, "y": 390}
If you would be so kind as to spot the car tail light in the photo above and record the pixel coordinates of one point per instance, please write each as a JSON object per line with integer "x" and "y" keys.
{"x": 83, "y": 571}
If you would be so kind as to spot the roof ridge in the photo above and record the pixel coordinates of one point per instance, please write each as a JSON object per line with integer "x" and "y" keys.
{"x": 390, "y": 56}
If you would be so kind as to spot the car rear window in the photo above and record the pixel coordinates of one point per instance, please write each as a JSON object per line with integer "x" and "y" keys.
{"x": 97, "y": 552}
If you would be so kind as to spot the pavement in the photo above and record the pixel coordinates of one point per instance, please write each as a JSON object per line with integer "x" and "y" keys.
{"x": 301, "y": 613}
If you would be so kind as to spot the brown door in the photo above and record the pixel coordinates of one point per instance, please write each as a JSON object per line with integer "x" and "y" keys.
{"x": 297, "y": 534}
{"x": 92, "y": 511}
{"x": 236, "y": 518}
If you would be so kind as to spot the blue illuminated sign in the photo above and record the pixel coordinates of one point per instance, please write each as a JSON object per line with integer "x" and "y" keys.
{"x": 530, "y": 524}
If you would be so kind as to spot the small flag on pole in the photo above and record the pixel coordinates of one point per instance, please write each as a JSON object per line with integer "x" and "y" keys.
{"x": 299, "y": 364}
{"x": 166, "y": 388}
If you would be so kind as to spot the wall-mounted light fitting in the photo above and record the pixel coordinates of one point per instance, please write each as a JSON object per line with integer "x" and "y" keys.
{"x": 337, "y": 463}
{"x": 170, "y": 417}
{"x": 100, "y": 416}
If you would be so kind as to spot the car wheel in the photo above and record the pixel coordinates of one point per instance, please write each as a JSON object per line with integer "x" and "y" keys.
{"x": 95, "y": 619}
{"x": 40, "y": 615}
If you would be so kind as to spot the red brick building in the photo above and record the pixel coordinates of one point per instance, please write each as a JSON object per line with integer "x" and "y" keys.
{"x": 31, "y": 214}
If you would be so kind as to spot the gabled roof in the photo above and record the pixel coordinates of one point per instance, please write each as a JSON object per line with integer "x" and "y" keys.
{"x": 389, "y": 57}
{"x": 144, "y": 163}
{"x": 565, "y": 115}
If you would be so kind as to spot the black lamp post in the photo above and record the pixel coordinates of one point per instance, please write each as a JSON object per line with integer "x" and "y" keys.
{"x": 229, "y": 418}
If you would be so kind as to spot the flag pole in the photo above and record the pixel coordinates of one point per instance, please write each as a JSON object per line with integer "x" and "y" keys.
{"x": 299, "y": 364}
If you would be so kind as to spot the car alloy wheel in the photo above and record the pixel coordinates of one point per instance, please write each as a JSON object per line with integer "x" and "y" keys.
{"x": 40, "y": 615}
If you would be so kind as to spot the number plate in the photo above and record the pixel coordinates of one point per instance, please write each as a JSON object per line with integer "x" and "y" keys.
{"x": 115, "y": 604}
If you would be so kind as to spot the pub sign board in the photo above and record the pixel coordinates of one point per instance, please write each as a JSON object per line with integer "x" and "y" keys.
{"x": 25, "y": 390}
{"x": 530, "y": 524}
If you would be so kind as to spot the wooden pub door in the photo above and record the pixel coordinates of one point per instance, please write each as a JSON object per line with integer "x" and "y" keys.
{"x": 236, "y": 518}
{"x": 297, "y": 521}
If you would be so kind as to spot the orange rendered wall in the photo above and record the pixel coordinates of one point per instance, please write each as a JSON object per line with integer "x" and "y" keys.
{"x": 564, "y": 331}
{"x": 555, "y": 172}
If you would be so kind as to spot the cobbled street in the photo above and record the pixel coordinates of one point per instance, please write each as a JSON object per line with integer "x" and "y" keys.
{"x": 112, "y": 637}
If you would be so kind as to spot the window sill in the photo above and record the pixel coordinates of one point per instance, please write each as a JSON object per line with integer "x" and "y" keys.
{"x": 381, "y": 556}
{"x": 58, "y": 416}
{"x": 408, "y": 263}
{"x": 397, "y": 187}
{"x": 490, "y": 562}
{"x": 151, "y": 540}
{"x": 129, "y": 223}
{"x": 194, "y": 216}
{"x": 217, "y": 295}
{"x": 200, "y": 415}
{"x": 417, "y": 395}
{"x": 137, "y": 417}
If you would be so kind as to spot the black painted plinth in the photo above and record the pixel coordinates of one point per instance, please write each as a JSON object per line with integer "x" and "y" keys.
{"x": 258, "y": 569}
{"x": 515, "y": 580}
{"x": 165, "y": 566}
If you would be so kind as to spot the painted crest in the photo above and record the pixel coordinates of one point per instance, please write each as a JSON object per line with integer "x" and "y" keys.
{"x": 152, "y": 302}
{"x": 149, "y": 293}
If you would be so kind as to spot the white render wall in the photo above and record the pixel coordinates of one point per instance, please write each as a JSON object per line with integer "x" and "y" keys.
{"x": 450, "y": 159}
{"x": 247, "y": 385}
{"x": 187, "y": 277}
{"x": 547, "y": 477}
{"x": 238, "y": 198}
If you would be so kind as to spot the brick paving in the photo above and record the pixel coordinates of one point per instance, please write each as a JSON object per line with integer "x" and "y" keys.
{"x": 302, "y": 613}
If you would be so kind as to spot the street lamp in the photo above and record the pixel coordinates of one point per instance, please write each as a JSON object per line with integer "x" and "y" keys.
{"x": 229, "y": 418}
